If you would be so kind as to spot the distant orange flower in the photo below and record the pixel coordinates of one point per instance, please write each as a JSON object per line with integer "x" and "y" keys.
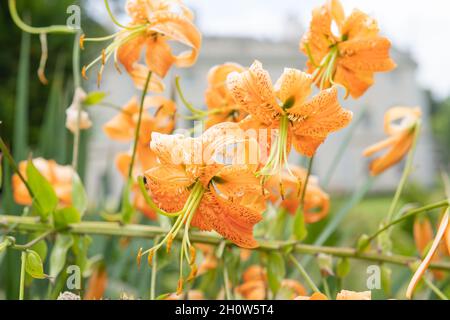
{"x": 316, "y": 202}
{"x": 197, "y": 182}
{"x": 209, "y": 261}
{"x": 342, "y": 295}
{"x": 154, "y": 23}
{"x": 97, "y": 284}
{"x": 60, "y": 177}
{"x": 191, "y": 295}
{"x": 254, "y": 286}
{"x": 219, "y": 101}
{"x": 122, "y": 127}
{"x": 348, "y": 56}
{"x": 402, "y": 135}
{"x": 301, "y": 121}
{"x": 442, "y": 234}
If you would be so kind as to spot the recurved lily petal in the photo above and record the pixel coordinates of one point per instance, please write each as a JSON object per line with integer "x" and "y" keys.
{"x": 316, "y": 119}
{"x": 293, "y": 88}
{"x": 353, "y": 295}
{"x": 253, "y": 91}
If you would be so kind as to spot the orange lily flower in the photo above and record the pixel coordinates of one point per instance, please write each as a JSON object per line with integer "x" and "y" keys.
{"x": 401, "y": 138}
{"x": 220, "y": 103}
{"x": 123, "y": 128}
{"x": 60, "y": 177}
{"x": 209, "y": 261}
{"x": 315, "y": 198}
{"x": 191, "y": 295}
{"x": 442, "y": 234}
{"x": 301, "y": 121}
{"x": 254, "y": 286}
{"x": 342, "y": 295}
{"x": 349, "y": 57}
{"x": 206, "y": 185}
{"x": 97, "y": 284}
{"x": 154, "y": 23}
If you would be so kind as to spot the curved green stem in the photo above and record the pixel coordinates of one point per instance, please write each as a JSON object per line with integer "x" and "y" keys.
{"x": 405, "y": 174}
{"x": 77, "y": 85}
{"x": 304, "y": 274}
{"x": 138, "y": 126}
{"x": 186, "y": 103}
{"x": 35, "y": 30}
{"x": 111, "y": 15}
{"x": 23, "y": 258}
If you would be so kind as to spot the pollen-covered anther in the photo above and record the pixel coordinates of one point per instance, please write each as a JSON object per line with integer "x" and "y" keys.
{"x": 151, "y": 253}
{"x": 193, "y": 254}
{"x": 169, "y": 243}
{"x": 180, "y": 286}
{"x": 139, "y": 257}
{"x": 82, "y": 37}
{"x": 103, "y": 57}
{"x": 83, "y": 73}
{"x": 193, "y": 272}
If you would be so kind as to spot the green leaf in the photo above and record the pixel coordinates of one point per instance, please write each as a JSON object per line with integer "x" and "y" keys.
{"x": 343, "y": 268}
{"x": 300, "y": 231}
{"x": 34, "y": 266}
{"x": 94, "y": 97}
{"x": 276, "y": 271}
{"x": 43, "y": 191}
{"x": 59, "y": 253}
{"x": 63, "y": 217}
{"x": 79, "y": 196}
{"x": 163, "y": 296}
{"x": 1, "y": 169}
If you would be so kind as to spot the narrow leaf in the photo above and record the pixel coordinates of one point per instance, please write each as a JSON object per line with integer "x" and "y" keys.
{"x": 59, "y": 253}
{"x": 34, "y": 266}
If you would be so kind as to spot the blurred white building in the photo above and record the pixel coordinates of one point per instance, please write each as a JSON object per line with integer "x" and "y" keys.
{"x": 394, "y": 88}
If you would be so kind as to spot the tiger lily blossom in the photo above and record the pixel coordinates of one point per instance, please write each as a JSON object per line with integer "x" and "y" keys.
{"x": 348, "y": 56}
{"x": 220, "y": 103}
{"x": 60, "y": 177}
{"x": 159, "y": 116}
{"x": 204, "y": 184}
{"x": 153, "y": 24}
{"x": 402, "y": 125}
{"x": 316, "y": 202}
{"x": 302, "y": 121}
{"x": 254, "y": 286}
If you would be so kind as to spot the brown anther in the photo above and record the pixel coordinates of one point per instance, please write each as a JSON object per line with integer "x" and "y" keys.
{"x": 82, "y": 37}
{"x": 281, "y": 191}
{"x": 139, "y": 257}
{"x": 193, "y": 254}
{"x": 150, "y": 257}
{"x": 83, "y": 73}
{"x": 103, "y": 57}
{"x": 116, "y": 65}
{"x": 180, "y": 286}
{"x": 169, "y": 243}
{"x": 193, "y": 272}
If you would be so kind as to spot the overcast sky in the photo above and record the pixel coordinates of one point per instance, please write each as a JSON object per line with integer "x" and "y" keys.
{"x": 421, "y": 27}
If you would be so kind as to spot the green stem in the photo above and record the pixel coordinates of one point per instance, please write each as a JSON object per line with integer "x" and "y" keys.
{"x": 138, "y": 126}
{"x": 405, "y": 174}
{"x": 435, "y": 289}
{"x": 186, "y": 103}
{"x": 305, "y": 184}
{"x": 14, "y": 166}
{"x": 32, "y": 224}
{"x": 226, "y": 278}
{"x": 22, "y": 275}
{"x": 154, "y": 272}
{"x": 326, "y": 287}
{"x": 28, "y": 245}
{"x": 304, "y": 274}
{"x": 77, "y": 84}
{"x": 440, "y": 204}
{"x": 35, "y": 30}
